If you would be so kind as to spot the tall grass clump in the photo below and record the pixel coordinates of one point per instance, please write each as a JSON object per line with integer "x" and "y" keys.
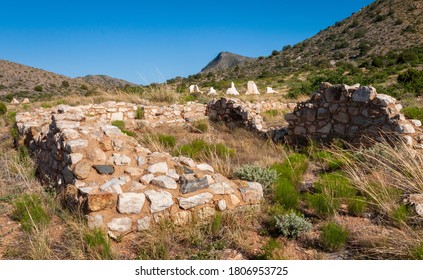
{"x": 201, "y": 149}
{"x": 98, "y": 244}
{"x": 289, "y": 175}
{"x": 333, "y": 236}
{"x": 30, "y": 211}
{"x": 121, "y": 126}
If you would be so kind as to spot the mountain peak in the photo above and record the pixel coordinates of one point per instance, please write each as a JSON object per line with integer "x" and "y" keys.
{"x": 225, "y": 60}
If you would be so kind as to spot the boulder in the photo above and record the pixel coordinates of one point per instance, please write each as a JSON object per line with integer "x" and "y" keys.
{"x": 160, "y": 200}
{"x": 164, "y": 181}
{"x": 232, "y": 90}
{"x": 270, "y": 90}
{"x": 252, "y": 88}
{"x": 120, "y": 224}
{"x": 211, "y": 91}
{"x": 130, "y": 203}
{"x": 14, "y": 101}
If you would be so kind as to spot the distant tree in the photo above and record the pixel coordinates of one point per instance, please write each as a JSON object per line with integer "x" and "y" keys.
{"x": 38, "y": 88}
{"x": 84, "y": 87}
{"x": 275, "y": 52}
{"x": 65, "y": 84}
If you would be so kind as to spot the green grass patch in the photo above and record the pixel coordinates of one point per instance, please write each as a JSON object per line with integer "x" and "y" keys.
{"x": 417, "y": 252}
{"x": 167, "y": 141}
{"x": 201, "y": 126}
{"x": 413, "y": 113}
{"x": 30, "y": 211}
{"x": 327, "y": 160}
{"x": 98, "y": 244}
{"x": 121, "y": 126}
{"x": 139, "y": 113}
{"x": 199, "y": 148}
{"x": 333, "y": 236}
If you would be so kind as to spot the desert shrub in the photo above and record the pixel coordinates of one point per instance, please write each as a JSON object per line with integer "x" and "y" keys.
{"x": 412, "y": 80}
{"x": 65, "y": 84}
{"x": 3, "y": 108}
{"x": 84, "y": 87}
{"x": 292, "y": 225}
{"x": 250, "y": 172}
{"x": 333, "y": 236}
{"x": 139, "y": 113}
{"x": 38, "y": 88}
{"x": 201, "y": 126}
{"x": 98, "y": 244}
{"x": 30, "y": 211}
{"x": 168, "y": 141}
{"x": 413, "y": 113}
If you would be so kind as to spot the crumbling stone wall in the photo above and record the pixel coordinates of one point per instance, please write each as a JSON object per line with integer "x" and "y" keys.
{"x": 236, "y": 113}
{"x": 354, "y": 113}
{"x": 119, "y": 184}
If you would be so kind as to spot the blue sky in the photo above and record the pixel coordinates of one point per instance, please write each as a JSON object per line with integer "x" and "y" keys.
{"x": 151, "y": 41}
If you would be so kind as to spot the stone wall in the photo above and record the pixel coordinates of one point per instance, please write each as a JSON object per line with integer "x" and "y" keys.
{"x": 236, "y": 113}
{"x": 353, "y": 113}
{"x": 119, "y": 184}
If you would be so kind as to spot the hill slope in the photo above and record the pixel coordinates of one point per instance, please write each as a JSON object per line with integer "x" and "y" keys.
{"x": 377, "y": 29}
{"x": 26, "y": 81}
{"x": 224, "y": 61}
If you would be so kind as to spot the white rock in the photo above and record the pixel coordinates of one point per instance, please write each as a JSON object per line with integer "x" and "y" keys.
{"x": 25, "y": 101}
{"x": 173, "y": 174}
{"x": 120, "y": 224}
{"x": 160, "y": 200}
{"x": 193, "y": 201}
{"x": 206, "y": 212}
{"x": 143, "y": 224}
{"x": 146, "y": 179}
{"x": 205, "y": 167}
{"x": 76, "y": 145}
{"x": 234, "y": 199}
{"x": 14, "y": 101}
{"x": 211, "y": 91}
{"x": 95, "y": 221}
{"x": 270, "y": 90}
{"x": 111, "y": 130}
{"x": 133, "y": 171}
{"x": 221, "y": 188}
{"x": 164, "y": 182}
{"x": 130, "y": 203}
{"x": 386, "y": 100}
{"x": 70, "y": 134}
{"x": 416, "y": 123}
{"x": 253, "y": 193}
{"x": 75, "y": 158}
{"x": 140, "y": 160}
{"x": 252, "y": 88}
{"x": 364, "y": 94}
{"x": 119, "y": 159}
{"x": 222, "y": 205}
{"x": 194, "y": 89}
{"x": 160, "y": 167}
{"x": 184, "y": 160}
{"x": 113, "y": 185}
{"x": 135, "y": 186}
{"x": 232, "y": 90}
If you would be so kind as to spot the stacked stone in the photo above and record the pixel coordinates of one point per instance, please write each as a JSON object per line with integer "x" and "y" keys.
{"x": 353, "y": 113}
{"x": 243, "y": 114}
{"x": 173, "y": 115}
{"x": 119, "y": 184}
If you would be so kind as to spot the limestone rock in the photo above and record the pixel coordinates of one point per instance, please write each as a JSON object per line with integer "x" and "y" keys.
{"x": 14, "y": 101}
{"x": 26, "y": 101}
{"x": 385, "y": 100}
{"x": 364, "y": 94}
{"x": 221, "y": 205}
{"x": 119, "y": 159}
{"x": 194, "y": 89}
{"x": 146, "y": 179}
{"x": 120, "y": 224}
{"x": 252, "y": 193}
{"x": 270, "y": 90}
{"x": 160, "y": 200}
{"x": 95, "y": 221}
{"x": 221, "y": 188}
{"x": 164, "y": 181}
{"x": 211, "y": 91}
{"x": 130, "y": 203}
{"x": 252, "y": 88}
{"x": 133, "y": 171}
{"x": 205, "y": 167}
{"x": 232, "y": 90}
{"x": 160, "y": 167}
{"x": 135, "y": 186}
{"x": 143, "y": 224}
{"x": 114, "y": 185}
{"x": 75, "y": 158}
{"x": 82, "y": 170}
{"x": 96, "y": 155}
{"x": 193, "y": 201}
{"x": 76, "y": 145}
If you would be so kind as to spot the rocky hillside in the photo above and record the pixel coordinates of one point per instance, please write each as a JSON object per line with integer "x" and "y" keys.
{"x": 25, "y": 81}
{"x": 377, "y": 29}
{"x": 226, "y": 60}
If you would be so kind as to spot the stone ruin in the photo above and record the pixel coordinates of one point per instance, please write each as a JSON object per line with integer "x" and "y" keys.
{"x": 232, "y": 90}
{"x": 356, "y": 114}
{"x": 252, "y": 88}
{"x": 119, "y": 184}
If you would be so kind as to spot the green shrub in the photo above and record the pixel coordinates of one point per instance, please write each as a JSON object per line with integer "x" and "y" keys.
{"x": 65, "y": 84}
{"x": 333, "y": 236}
{"x": 46, "y": 105}
{"x": 84, "y": 87}
{"x": 30, "y": 212}
{"x": 216, "y": 225}
{"x": 357, "y": 206}
{"x": 292, "y": 225}
{"x": 23, "y": 154}
{"x": 321, "y": 204}
{"x": 273, "y": 113}
{"x": 413, "y": 113}
{"x": 328, "y": 160}
{"x": 139, "y": 113}
{"x": 250, "y": 172}
{"x": 38, "y": 88}
{"x": 98, "y": 244}
{"x": 3, "y": 108}
{"x": 286, "y": 194}
{"x": 412, "y": 80}
{"x": 400, "y": 214}
{"x": 201, "y": 126}
{"x": 167, "y": 141}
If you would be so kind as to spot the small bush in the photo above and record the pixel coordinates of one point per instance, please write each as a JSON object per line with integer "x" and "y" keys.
{"x": 250, "y": 172}
{"x": 333, "y": 236}
{"x": 38, "y": 88}
{"x": 121, "y": 126}
{"x": 328, "y": 160}
{"x": 400, "y": 214}
{"x": 321, "y": 204}
{"x": 65, "y": 84}
{"x": 201, "y": 126}
{"x": 357, "y": 206}
{"x": 84, "y": 87}
{"x": 292, "y": 225}
{"x": 3, "y": 108}
{"x": 216, "y": 225}
{"x": 30, "y": 212}
{"x": 98, "y": 244}
{"x": 413, "y": 113}
{"x": 139, "y": 113}
{"x": 46, "y": 105}
{"x": 168, "y": 141}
